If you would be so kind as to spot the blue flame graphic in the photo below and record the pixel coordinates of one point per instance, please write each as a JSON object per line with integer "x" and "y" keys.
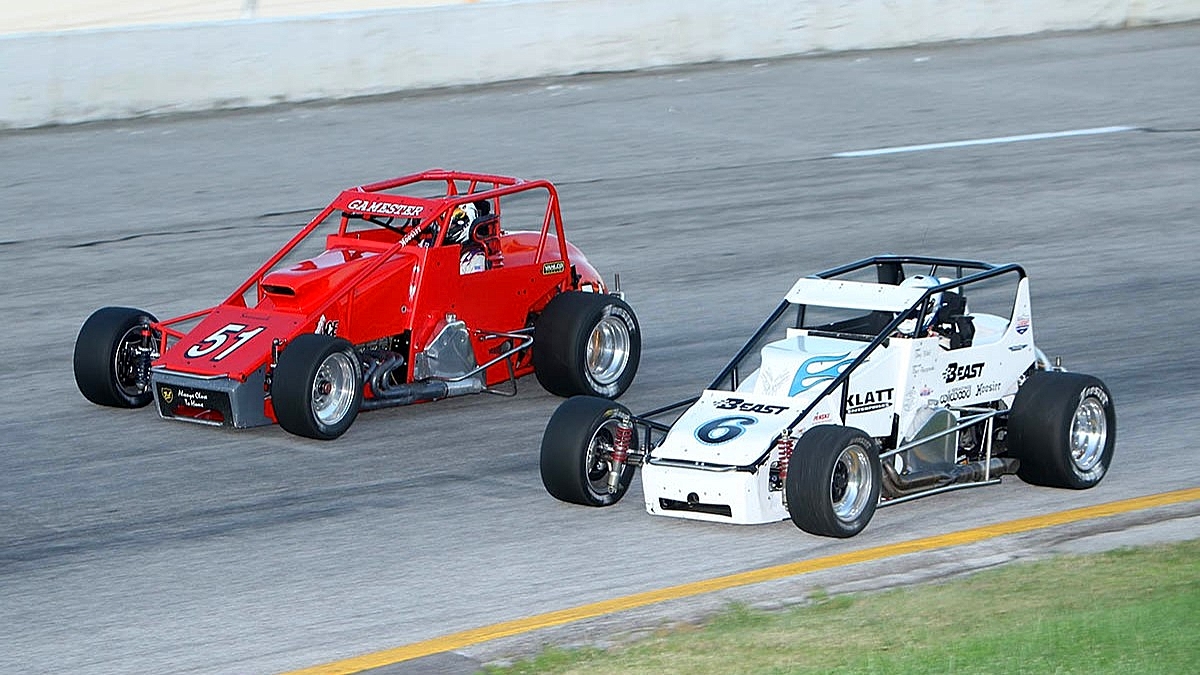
{"x": 811, "y": 373}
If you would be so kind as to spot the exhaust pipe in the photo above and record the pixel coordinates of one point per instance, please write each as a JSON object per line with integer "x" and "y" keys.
{"x": 896, "y": 484}
{"x": 391, "y": 395}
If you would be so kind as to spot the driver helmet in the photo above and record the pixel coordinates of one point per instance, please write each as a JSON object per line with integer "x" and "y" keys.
{"x": 909, "y": 326}
{"x": 461, "y": 219}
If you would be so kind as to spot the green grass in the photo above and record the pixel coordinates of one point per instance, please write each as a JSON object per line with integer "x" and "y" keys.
{"x": 1125, "y": 612}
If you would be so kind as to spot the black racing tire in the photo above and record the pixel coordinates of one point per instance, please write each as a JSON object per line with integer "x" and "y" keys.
{"x": 1063, "y": 429}
{"x": 104, "y": 362}
{"x": 833, "y": 481}
{"x": 317, "y": 386}
{"x": 576, "y": 448}
{"x": 586, "y": 344}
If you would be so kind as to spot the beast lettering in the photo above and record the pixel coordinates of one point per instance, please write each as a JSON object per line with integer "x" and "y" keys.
{"x": 955, "y": 372}
{"x": 743, "y": 406}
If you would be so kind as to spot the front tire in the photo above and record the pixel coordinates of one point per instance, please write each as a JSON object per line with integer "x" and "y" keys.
{"x": 586, "y": 344}
{"x": 577, "y": 449}
{"x": 317, "y": 387}
{"x": 1063, "y": 428}
{"x": 106, "y": 360}
{"x": 833, "y": 481}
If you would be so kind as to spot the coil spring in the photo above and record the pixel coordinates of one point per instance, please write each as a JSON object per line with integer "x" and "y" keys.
{"x": 622, "y": 437}
{"x": 786, "y": 445}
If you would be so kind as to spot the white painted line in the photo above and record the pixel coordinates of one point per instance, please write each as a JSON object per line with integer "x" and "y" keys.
{"x": 983, "y": 141}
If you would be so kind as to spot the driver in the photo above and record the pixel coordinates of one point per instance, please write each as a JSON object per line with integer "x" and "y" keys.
{"x": 461, "y": 219}
{"x": 908, "y": 327}
{"x": 472, "y": 258}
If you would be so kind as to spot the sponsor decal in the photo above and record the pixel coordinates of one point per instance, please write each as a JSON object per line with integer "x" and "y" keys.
{"x": 868, "y": 401}
{"x": 926, "y": 390}
{"x": 820, "y": 417}
{"x": 1017, "y": 348}
{"x": 386, "y": 208}
{"x": 816, "y": 370}
{"x": 743, "y": 406}
{"x": 554, "y": 267}
{"x": 1023, "y": 324}
{"x": 723, "y": 429}
{"x": 987, "y": 388}
{"x": 193, "y": 398}
{"x": 956, "y": 394}
{"x": 620, "y": 313}
{"x": 955, "y": 372}
{"x": 1096, "y": 392}
{"x": 771, "y": 381}
{"x": 167, "y": 394}
{"x": 325, "y": 327}
{"x": 923, "y": 358}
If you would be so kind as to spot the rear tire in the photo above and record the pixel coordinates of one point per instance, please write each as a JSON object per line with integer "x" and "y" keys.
{"x": 1063, "y": 429}
{"x": 105, "y": 362}
{"x": 833, "y": 481}
{"x": 586, "y": 344}
{"x": 576, "y": 448}
{"x": 317, "y": 387}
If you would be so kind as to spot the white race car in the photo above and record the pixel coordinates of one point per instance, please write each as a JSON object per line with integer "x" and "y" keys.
{"x": 871, "y": 384}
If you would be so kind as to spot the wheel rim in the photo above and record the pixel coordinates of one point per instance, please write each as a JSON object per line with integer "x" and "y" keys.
{"x": 1089, "y": 434}
{"x": 600, "y": 449}
{"x": 850, "y": 484}
{"x": 608, "y": 350}
{"x": 125, "y": 362}
{"x": 333, "y": 388}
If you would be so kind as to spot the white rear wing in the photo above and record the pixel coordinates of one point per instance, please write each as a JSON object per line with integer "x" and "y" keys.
{"x": 853, "y": 294}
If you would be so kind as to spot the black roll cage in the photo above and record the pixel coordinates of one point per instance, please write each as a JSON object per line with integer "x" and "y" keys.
{"x": 890, "y": 270}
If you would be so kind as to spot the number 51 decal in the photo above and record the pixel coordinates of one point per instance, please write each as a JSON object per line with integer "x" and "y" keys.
{"x": 214, "y": 342}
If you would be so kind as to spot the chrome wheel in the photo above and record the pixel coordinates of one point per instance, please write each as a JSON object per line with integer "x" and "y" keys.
{"x": 1089, "y": 434}
{"x": 850, "y": 483}
{"x": 599, "y": 451}
{"x": 608, "y": 350}
{"x": 833, "y": 481}
{"x": 333, "y": 391}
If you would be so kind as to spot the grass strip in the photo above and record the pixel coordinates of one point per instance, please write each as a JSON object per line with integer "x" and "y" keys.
{"x": 1125, "y": 612}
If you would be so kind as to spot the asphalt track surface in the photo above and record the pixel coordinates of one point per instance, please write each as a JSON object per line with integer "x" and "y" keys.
{"x": 129, "y": 544}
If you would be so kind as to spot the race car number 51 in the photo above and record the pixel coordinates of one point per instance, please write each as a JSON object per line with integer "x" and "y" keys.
{"x": 214, "y": 342}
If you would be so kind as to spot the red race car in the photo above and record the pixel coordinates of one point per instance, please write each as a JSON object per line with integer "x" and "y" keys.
{"x": 404, "y": 299}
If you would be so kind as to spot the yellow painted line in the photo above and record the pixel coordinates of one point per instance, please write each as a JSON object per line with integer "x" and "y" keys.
{"x": 504, "y": 629}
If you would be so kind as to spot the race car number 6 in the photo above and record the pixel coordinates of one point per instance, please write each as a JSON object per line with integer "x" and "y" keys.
{"x": 723, "y": 429}
{"x": 214, "y": 342}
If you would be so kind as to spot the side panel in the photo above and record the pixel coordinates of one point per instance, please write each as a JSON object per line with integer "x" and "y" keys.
{"x": 987, "y": 371}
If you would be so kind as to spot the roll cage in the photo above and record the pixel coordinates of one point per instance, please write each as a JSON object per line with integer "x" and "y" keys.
{"x": 888, "y": 270}
{"x": 381, "y": 204}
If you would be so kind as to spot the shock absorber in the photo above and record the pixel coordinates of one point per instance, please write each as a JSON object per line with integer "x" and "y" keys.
{"x": 143, "y": 355}
{"x": 622, "y": 437}
{"x": 786, "y": 445}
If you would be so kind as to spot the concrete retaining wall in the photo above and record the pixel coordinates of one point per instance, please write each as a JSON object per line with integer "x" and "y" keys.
{"x": 76, "y": 76}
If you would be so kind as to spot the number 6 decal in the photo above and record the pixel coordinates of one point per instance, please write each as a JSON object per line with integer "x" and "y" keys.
{"x": 214, "y": 342}
{"x": 723, "y": 429}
